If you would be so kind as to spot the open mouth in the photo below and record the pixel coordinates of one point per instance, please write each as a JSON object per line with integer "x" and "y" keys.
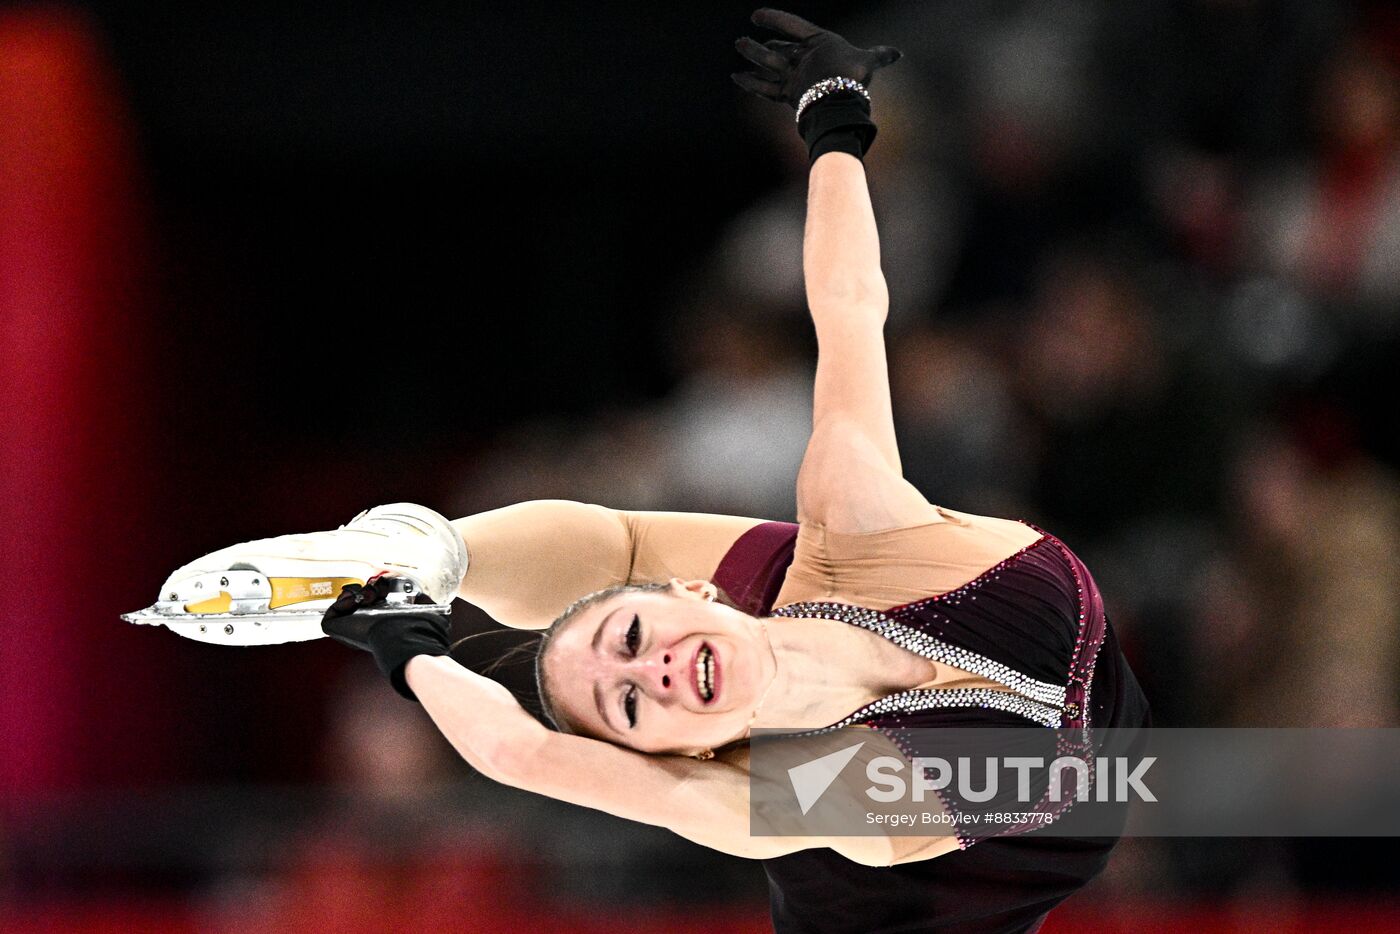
{"x": 705, "y": 668}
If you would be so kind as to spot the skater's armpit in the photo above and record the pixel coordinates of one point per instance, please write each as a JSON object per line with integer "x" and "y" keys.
{"x": 529, "y": 561}
{"x": 891, "y": 567}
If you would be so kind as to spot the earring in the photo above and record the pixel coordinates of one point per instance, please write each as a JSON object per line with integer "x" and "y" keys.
{"x": 704, "y": 754}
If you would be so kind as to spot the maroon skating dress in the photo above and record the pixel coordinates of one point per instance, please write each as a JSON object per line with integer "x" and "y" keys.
{"x": 1034, "y": 623}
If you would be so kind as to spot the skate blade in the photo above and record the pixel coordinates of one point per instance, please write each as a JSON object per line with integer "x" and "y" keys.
{"x": 242, "y": 607}
{"x": 272, "y": 627}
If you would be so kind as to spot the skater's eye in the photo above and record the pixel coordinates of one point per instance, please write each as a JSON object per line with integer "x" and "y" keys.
{"x": 634, "y": 635}
{"x": 629, "y": 705}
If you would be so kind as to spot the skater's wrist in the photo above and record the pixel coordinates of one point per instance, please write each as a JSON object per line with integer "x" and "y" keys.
{"x": 415, "y": 670}
{"x": 397, "y": 640}
{"x": 839, "y": 121}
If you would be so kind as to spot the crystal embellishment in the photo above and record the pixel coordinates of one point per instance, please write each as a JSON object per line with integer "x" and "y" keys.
{"x": 909, "y": 702}
{"x": 927, "y": 646}
{"x": 828, "y": 86}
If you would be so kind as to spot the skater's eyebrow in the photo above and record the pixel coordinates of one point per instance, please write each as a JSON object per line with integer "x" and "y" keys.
{"x": 597, "y": 687}
{"x": 602, "y": 710}
{"x": 598, "y": 636}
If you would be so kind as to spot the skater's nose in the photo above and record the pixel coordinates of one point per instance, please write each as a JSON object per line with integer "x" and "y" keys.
{"x": 655, "y": 671}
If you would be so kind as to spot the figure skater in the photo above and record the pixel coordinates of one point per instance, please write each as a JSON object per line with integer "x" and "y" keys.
{"x": 668, "y": 637}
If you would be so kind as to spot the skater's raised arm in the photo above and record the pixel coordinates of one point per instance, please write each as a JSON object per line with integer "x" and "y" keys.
{"x": 850, "y": 479}
{"x": 841, "y": 246}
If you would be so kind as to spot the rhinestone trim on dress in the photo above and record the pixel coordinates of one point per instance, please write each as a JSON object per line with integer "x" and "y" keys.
{"x": 909, "y": 702}
{"x": 927, "y": 646}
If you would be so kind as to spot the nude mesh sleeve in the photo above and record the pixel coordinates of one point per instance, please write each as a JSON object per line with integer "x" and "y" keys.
{"x": 529, "y": 561}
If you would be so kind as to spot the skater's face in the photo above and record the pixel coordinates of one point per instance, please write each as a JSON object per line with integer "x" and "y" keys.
{"x": 659, "y": 671}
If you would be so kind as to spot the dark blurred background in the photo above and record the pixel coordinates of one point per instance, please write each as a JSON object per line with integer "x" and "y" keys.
{"x": 262, "y": 267}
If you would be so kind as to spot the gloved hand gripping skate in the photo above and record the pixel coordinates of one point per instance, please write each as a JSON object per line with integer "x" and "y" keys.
{"x": 392, "y": 638}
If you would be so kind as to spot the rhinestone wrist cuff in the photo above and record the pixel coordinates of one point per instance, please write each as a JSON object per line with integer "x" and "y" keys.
{"x": 827, "y": 86}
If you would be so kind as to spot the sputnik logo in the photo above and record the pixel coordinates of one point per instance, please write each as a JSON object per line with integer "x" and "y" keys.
{"x": 810, "y": 780}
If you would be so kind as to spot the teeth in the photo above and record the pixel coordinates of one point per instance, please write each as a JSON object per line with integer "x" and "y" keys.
{"x": 705, "y": 674}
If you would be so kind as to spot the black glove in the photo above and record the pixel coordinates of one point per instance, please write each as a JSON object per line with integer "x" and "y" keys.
{"x": 391, "y": 639}
{"x": 840, "y": 120}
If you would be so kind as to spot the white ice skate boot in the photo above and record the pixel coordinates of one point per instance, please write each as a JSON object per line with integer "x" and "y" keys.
{"x": 276, "y": 589}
